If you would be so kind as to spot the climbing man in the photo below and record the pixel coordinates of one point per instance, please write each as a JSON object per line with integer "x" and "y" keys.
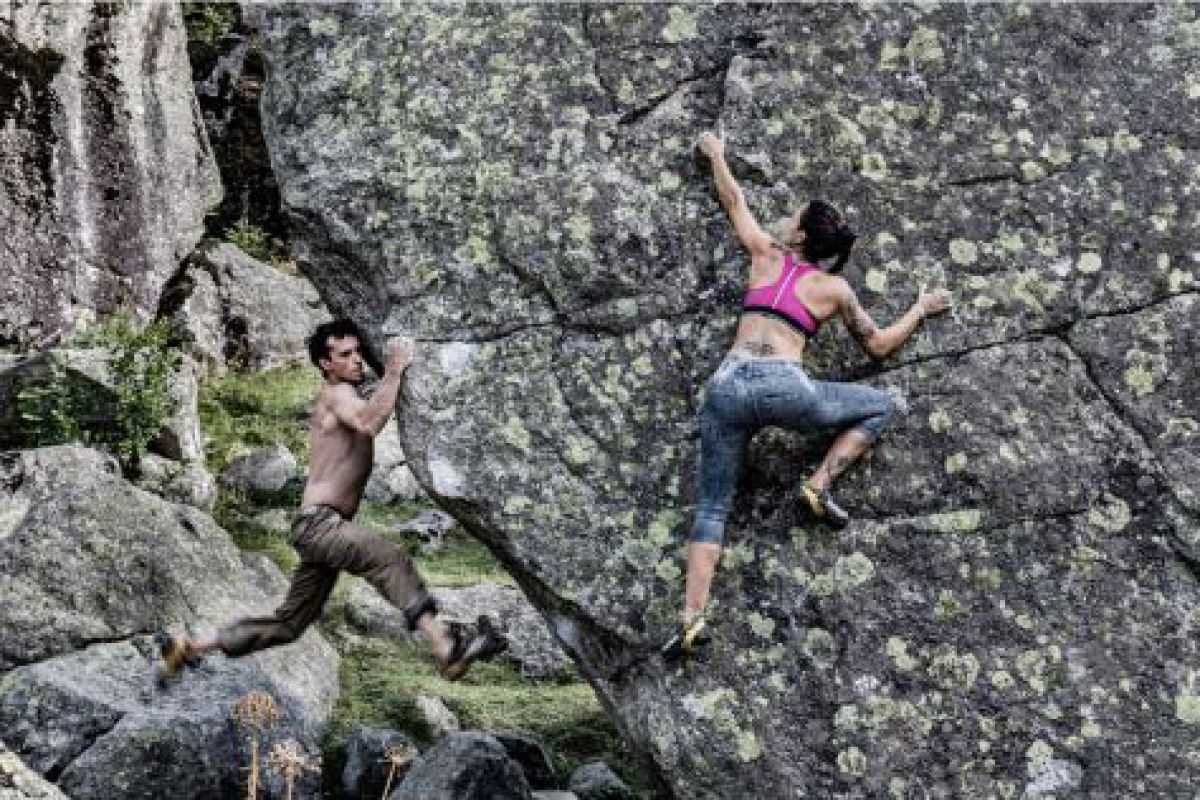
{"x": 341, "y": 449}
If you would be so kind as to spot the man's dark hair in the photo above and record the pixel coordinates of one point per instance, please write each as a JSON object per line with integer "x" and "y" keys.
{"x": 318, "y": 343}
{"x": 826, "y": 234}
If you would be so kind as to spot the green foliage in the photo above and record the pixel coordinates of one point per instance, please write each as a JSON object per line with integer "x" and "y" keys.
{"x": 252, "y": 239}
{"x": 208, "y": 22}
{"x": 123, "y": 420}
{"x": 241, "y": 411}
{"x": 380, "y": 682}
{"x": 52, "y": 410}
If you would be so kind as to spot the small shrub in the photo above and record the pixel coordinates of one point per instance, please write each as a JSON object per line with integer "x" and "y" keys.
{"x": 252, "y": 239}
{"x": 209, "y": 22}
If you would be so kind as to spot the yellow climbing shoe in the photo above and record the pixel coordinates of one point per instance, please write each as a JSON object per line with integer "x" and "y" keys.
{"x": 686, "y": 640}
{"x": 821, "y": 506}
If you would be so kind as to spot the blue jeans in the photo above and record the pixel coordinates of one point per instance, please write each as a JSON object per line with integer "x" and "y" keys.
{"x": 747, "y": 394}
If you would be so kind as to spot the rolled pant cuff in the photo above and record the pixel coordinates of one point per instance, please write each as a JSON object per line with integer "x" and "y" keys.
{"x": 418, "y": 607}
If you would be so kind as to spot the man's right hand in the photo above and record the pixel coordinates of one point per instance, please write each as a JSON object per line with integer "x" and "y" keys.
{"x": 934, "y": 302}
{"x": 401, "y": 352}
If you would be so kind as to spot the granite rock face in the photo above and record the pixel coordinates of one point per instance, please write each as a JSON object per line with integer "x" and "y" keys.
{"x": 106, "y": 172}
{"x": 232, "y": 310}
{"x": 90, "y": 566}
{"x": 1010, "y": 613}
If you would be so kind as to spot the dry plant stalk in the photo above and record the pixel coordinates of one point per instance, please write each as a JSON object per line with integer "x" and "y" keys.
{"x": 399, "y": 756}
{"x": 288, "y": 759}
{"x": 255, "y": 713}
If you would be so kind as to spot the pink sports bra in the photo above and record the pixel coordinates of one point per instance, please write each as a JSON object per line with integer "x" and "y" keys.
{"x": 779, "y": 299}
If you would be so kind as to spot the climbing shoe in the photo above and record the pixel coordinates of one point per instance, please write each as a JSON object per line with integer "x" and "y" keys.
{"x": 686, "y": 640}
{"x": 482, "y": 642}
{"x": 174, "y": 655}
{"x": 821, "y": 506}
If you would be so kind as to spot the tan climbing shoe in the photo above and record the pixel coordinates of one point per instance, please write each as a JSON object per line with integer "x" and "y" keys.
{"x": 481, "y": 642}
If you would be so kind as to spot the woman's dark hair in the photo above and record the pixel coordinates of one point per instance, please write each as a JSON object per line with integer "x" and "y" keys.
{"x": 826, "y": 234}
{"x": 318, "y": 343}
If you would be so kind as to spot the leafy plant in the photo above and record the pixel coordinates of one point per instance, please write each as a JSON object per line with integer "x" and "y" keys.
{"x": 51, "y": 410}
{"x": 209, "y": 22}
{"x": 125, "y": 418}
{"x": 252, "y": 239}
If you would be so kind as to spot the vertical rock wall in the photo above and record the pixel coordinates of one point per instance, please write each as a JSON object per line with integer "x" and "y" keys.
{"x": 105, "y": 169}
{"x": 1011, "y": 614}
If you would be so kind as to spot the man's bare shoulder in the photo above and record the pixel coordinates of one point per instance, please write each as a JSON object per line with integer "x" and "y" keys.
{"x": 339, "y": 393}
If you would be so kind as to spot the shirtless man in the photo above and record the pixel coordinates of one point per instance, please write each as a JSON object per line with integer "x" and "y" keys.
{"x": 341, "y": 450}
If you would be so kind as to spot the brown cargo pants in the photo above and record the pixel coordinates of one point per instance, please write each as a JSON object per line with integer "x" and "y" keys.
{"x": 329, "y": 544}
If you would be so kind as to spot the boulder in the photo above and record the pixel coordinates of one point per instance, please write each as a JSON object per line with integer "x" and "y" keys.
{"x": 1009, "y": 613}
{"x": 262, "y": 472}
{"x": 90, "y": 566}
{"x": 371, "y": 755}
{"x": 464, "y": 766}
{"x": 231, "y": 310}
{"x": 107, "y": 171}
{"x": 181, "y": 439}
{"x": 597, "y": 781}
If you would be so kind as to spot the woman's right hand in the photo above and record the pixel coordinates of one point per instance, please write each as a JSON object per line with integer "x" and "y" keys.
{"x": 711, "y": 145}
{"x": 934, "y": 302}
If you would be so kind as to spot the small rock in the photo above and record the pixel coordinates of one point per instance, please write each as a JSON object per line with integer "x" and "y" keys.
{"x": 464, "y": 766}
{"x": 431, "y": 526}
{"x": 368, "y": 763}
{"x": 264, "y": 471}
{"x": 554, "y": 794}
{"x": 190, "y": 484}
{"x": 441, "y": 720}
{"x": 596, "y": 781}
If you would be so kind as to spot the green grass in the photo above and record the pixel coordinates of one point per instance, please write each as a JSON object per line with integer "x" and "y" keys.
{"x": 380, "y": 682}
{"x": 462, "y": 560}
{"x": 240, "y": 411}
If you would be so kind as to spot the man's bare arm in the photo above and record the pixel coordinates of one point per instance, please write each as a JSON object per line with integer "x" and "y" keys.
{"x": 882, "y": 342}
{"x": 369, "y": 416}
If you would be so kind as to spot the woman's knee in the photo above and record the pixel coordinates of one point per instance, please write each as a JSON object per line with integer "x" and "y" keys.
{"x": 707, "y": 529}
{"x": 875, "y": 425}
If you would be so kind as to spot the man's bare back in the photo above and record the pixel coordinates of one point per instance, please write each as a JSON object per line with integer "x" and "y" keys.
{"x": 343, "y": 426}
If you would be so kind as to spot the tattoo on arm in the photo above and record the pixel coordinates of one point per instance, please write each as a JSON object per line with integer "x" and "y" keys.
{"x": 862, "y": 327}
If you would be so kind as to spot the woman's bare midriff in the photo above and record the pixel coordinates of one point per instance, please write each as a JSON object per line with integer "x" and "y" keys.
{"x": 761, "y": 336}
